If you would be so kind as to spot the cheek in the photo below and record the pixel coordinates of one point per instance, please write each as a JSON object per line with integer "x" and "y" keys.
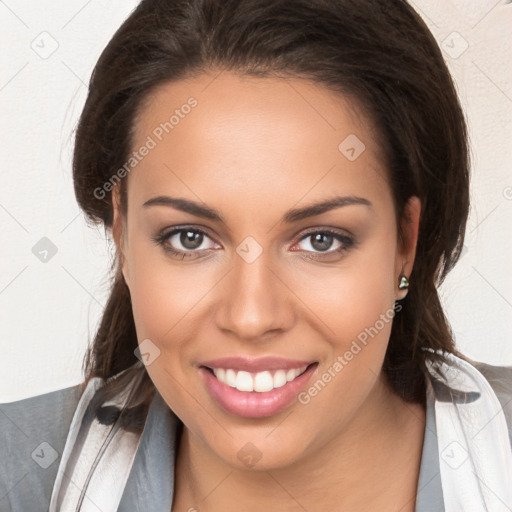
{"x": 154, "y": 298}
{"x": 162, "y": 292}
{"x": 357, "y": 305}
{"x": 163, "y": 299}
{"x": 357, "y": 313}
{"x": 353, "y": 297}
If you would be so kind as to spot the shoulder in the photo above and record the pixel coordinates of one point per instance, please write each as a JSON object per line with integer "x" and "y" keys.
{"x": 33, "y": 433}
{"x": 500, "y": 379}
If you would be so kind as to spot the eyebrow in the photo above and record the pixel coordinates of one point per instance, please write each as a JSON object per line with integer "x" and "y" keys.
{"x": 293, "y": 215}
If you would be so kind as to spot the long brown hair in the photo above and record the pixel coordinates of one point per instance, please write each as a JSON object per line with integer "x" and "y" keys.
{"x": 380, "y": 53}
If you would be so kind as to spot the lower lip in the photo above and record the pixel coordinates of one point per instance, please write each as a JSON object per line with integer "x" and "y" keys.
{"x": 252, "y": 404}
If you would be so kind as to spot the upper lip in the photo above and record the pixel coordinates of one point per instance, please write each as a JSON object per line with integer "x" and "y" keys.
{"x": 255, "y": 365}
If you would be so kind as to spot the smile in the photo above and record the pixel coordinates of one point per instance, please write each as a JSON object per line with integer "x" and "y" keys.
{"x": 260, "y": 381}
{"x": 259, "y": 394}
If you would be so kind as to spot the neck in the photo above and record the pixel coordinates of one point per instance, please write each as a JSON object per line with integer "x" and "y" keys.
{"x": 371, "y": 464}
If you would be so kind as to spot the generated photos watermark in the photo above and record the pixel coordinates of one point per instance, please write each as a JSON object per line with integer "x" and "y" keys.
{"x": 343, "y": 360}
{"x": 157, "y": 135}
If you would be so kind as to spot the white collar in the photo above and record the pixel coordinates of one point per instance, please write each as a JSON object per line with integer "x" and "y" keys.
{"x": 475, "y": 452}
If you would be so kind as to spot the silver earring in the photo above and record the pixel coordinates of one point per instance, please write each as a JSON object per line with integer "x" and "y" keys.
{"x": 403, "y": 283}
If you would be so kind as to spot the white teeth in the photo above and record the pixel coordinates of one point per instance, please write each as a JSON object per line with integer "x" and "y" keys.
{"x": 221, "y": 374}
{"x": 290, "y": 375}
{"x": 244, "y": 381}
{"x": 260, "y": 382}
{"x": 230, "y": 379}
{"x": 279, "y": 378}
{"x": 263, "y": 382}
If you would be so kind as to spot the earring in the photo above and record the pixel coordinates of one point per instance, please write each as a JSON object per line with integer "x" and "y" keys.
{"x": 403, "y": 283}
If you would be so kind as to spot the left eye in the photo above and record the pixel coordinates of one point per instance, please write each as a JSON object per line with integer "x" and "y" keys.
{"x": 322, "y": 241}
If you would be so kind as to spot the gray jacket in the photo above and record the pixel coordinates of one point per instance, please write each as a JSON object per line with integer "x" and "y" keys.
{"x": 33, "y": 434}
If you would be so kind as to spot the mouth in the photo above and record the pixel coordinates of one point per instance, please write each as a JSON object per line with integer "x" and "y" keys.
{"x": 260, "y": 382}
{"x": 256, "y": 394}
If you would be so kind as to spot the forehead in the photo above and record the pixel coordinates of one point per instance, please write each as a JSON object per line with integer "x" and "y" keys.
{"x": 274, "y": 138}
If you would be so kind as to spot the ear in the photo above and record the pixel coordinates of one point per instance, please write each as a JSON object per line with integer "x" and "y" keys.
{"x": 119, "y": 232}
{"x": 407, "y": 243}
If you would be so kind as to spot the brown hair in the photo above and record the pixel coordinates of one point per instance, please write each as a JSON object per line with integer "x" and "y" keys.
{"x": 381, "y": 53}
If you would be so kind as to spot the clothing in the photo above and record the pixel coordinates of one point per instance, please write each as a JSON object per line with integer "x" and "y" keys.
{"x": 466, "y": 460}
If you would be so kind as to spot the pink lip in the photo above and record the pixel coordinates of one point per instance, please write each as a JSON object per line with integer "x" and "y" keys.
{"x": 253, "y": 404}
{"x": 255, "y": 365}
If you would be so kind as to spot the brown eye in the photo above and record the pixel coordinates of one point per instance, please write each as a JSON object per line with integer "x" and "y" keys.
{"x": 323, "y": 241}
{"x": 185, "y": 242}
{"x": 191, "y": 240}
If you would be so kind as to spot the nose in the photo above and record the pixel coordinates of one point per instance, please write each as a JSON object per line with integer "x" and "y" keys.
{"x": 254, "y": 302}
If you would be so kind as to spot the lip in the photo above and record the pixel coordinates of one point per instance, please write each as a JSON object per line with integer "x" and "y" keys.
{"x": 255, "y": 365}
{"x": 253, "y": 404}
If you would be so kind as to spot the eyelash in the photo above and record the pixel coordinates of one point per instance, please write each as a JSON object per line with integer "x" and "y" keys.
{"x": 162, "y": 239}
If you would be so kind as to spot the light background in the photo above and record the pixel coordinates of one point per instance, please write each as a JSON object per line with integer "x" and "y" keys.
{"x": 50, "y": 309}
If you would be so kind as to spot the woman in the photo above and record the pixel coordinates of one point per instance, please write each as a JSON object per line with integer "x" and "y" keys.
{"x": 286, "y": 185}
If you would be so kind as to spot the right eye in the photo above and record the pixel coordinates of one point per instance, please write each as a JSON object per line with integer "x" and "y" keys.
{"x": 183, "y": 242}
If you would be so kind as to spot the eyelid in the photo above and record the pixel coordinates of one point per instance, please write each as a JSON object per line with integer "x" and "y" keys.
{"x": 179, "y": 229}
{"x": 326, "y": 229}
{"x": 345, "y": 238}
{"x": 167, "y": 232}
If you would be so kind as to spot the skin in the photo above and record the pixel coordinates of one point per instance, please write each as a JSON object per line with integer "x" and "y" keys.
{"x": 254, "y": 148}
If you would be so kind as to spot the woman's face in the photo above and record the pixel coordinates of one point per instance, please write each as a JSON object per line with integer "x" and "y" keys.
{"x": 260, "y": 274}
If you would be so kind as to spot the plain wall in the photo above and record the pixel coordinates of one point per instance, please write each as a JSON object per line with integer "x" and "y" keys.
{"x": 50, "y": 301}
